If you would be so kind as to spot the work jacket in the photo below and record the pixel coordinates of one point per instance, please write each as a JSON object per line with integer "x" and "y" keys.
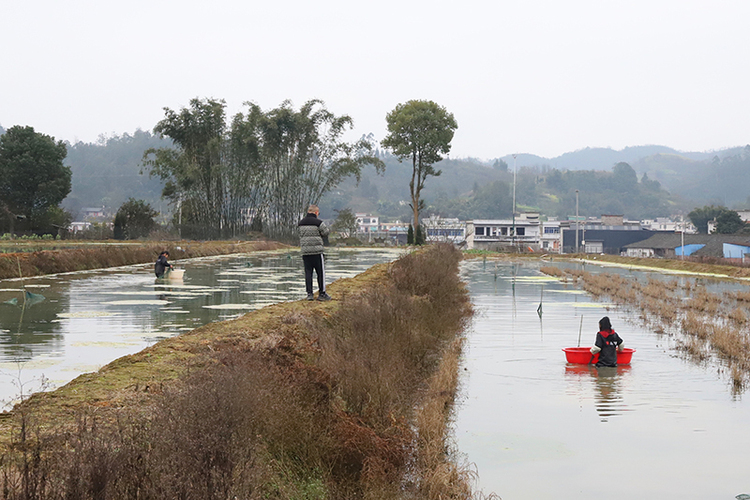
{"x": 313, "y": 233}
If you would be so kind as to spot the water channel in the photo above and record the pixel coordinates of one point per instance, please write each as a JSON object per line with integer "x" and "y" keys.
{"x": 537, "y": 427}
{"x": 77, "y": 322}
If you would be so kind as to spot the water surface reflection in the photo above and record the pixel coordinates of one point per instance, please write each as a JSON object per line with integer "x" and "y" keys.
{"x": 607, "y": 384}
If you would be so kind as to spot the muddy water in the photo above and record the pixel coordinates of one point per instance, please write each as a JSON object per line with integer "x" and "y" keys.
{"x": 76, "y": 323}
{"x": 537, "y": 427}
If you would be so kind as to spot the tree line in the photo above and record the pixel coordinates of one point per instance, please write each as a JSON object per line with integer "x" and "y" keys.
{"x": 256, "y": 171}
{"x": 470, "y": 189}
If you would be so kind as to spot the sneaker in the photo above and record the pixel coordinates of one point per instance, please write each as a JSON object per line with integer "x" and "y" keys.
{"x": 310, "y": 296}
{"x": 323, "y": 297}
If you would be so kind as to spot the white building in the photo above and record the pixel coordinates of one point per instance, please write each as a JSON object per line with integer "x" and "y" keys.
{"x": 78, "y": 226}
{"x": 367, "y": 223}
{"x": 550, "y": 235}
{"x": 443, "y": 229}
{"x": 667, "y": 224}
{"x": 488, "y": 234}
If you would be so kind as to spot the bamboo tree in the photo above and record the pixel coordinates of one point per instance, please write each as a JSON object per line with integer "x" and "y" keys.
{"x": 266, "y": 166}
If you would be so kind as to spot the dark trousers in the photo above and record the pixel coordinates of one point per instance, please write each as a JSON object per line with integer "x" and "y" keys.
{"x": 316, "y": 262}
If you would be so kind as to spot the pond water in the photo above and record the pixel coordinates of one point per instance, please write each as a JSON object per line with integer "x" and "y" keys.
{"x": 537, "y": 427}
{"x": 75, "y": 323}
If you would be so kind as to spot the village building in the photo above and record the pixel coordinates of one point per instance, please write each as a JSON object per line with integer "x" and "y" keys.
{"x": 671, "y": 245}
{"x": 92, "y": 213}
{"x": 444, "y": 229}
{"x": 493, "y": 234}
{"x": 608, "y": 234}
{"x": 367, "y": 223}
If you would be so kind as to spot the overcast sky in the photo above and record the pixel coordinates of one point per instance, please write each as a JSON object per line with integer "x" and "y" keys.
{"x": 542, "y": 77}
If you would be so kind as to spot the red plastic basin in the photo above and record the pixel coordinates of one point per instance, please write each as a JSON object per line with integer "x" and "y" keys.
{"x": 582, "y": 355}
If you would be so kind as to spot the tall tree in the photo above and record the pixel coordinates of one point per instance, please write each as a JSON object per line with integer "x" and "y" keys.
{"x": 422, "y": 131}
{"x": 345, "y": 223}
{"x": 700, "y": 217}
{"x": 305, "y": 157}
{"x": 134, "y": 219}
{"x": 729, "y": 222}
{"x": 194, "y": 171}
{"x": 33, "y": 179}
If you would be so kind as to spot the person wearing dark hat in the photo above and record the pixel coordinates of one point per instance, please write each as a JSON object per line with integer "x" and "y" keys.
{"x": 161, "y": 265}
{"x": 607, "y": 344}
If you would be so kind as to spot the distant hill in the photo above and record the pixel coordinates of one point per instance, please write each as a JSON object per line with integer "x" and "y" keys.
{"x": 722, "y": 179}
{"x": 599, "y": 158}
{"x": 107, "y": 172}
{"x": 698, "y": 178}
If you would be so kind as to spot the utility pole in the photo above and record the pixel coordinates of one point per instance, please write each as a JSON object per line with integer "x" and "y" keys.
{"x": 179, "y": 217}
{"x": 576, "y": 221}
{"x": 682, "y": 236}
{"x": 514, "y": 202}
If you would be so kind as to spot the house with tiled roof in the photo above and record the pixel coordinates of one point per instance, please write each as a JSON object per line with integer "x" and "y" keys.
{"x": 670, "y": 245}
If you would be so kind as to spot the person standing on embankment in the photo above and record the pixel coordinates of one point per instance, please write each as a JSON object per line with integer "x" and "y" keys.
{"x": 313, "y": 234}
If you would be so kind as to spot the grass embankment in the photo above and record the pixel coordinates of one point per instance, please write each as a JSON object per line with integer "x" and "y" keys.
{"x": 698, "y": 266}
{"x": 345, "y": 399}
{"x": 703, "y": 324}
{"x": 98, "y": 256}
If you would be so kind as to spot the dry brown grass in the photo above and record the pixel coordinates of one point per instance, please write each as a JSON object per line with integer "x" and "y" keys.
{"x": 695, "y": 326}
{"x": 552, "y": 271}
{"x": 113, "y": 255}
{"x": 704, "y": 301}
{"x": 441, "y": 475}
{"x": 694, "y": 348}
{"x": 738, "y": 315}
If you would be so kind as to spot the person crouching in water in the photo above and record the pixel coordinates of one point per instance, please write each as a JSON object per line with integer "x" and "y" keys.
{"x": 161, "y": 264}
{"x": 607, "y": 344}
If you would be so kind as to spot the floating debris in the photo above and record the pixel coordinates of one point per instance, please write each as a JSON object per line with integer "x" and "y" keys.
{"x": 102, "y": 343}
{"x": 232, "y": 306}
{"x": 136, "y": 303}
{"x": 87, "y": 314}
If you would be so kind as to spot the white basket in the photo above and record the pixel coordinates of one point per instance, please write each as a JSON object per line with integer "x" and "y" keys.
{"x": 175, "y": 274}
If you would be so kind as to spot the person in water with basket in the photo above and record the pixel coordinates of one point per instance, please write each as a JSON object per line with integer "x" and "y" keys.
{"x": 607, "y": 344}
{"x": 162, "y": 265}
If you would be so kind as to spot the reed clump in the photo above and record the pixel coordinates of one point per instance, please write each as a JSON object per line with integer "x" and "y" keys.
{"x": 710, "y": 323}
{"x": 704, "y": 302}
{"x": 348, "y": 399}
{"x": 694, "y": 348}
{"x": 738, "y": 315}
{"x": 553, "y": 271}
